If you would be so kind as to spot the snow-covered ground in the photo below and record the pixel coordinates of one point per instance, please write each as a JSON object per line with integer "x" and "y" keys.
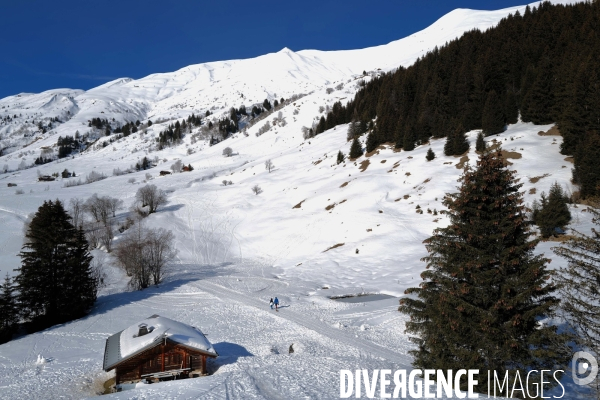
{"x": 317, "y": 230}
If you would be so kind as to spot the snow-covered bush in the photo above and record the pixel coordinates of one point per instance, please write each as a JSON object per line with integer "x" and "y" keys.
{"x": 73, "y": 182}
{"x": 176, "y": 166}
{"x": 263, "y": 129}
{"x": 256, "y": 190}
{"x": 94, "y": 177}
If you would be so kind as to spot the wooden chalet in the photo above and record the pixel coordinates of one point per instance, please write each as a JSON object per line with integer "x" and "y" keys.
{"x": 157, "y": 348}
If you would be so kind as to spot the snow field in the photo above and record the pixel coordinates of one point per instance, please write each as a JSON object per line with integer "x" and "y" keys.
{"x": 237, "y": 249}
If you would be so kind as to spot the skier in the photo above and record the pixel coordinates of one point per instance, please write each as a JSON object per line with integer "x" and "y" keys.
{"x": 271, "y": 303}
{"x": 276, "y": 302}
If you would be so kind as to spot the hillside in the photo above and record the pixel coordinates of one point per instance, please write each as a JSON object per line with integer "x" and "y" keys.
{"x": 317, "y": 230}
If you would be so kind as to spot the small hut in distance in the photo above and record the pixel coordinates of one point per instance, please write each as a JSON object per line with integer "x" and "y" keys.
{"x": 157, "y": 348}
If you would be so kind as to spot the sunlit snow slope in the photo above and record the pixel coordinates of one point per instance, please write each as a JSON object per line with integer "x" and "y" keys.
{"x": 317, "y": 230}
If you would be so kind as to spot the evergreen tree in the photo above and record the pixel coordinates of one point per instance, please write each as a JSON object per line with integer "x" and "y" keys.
{"x": 340, "y": 157}
{"x": 511, "y": 109}
{"x": 456, "y": 142}
{"x": 552, "y": 211}
{"x": 492, "y": 120}
{"x": 430, "y": 154}
{"x": 234, "y": 118}
{"x": 409, "y": 139}
{"x": 449, "y": 145}
{"x": 484, "y": 290}
{"x": 80, "y": 281}
{"x": 352, "y": 130}
{"x": 461, "y": 144}
{"x": 580, "y": 294}
{"x": 267, "y": 104}
{"x": 587, "y": 166}
{"x": 371, "y": 141}
{"x": 9, "y": 315}
{"x": 480, "y": 143}
{"x": 538, "y": 101}
{"x": 322, "y": 125}
{"x": 55, "y": 281}
{"x": 355, "y": 149}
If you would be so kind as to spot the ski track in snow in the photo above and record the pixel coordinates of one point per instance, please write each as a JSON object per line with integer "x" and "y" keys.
{"x": 307, "y": 322}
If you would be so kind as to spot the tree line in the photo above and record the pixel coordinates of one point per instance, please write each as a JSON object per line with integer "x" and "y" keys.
{"x": 541, "y": 65}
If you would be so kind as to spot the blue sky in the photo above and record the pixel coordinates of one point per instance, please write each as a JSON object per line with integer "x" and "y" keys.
{"x": 82, "y": 44}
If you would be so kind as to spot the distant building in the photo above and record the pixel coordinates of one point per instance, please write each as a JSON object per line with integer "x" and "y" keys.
{"x": 157, "y": 348}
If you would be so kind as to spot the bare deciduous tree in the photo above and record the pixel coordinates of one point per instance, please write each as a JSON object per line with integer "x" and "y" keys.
{"x": 114, "y": 205}
{"x": 227, "y": 152}
{"x": 97, "y": 267}
{"x": 101, "y": 208}
{"x": 151, "y": 196}
{"x": 76, "y": 209}
{"x": 129, "y": 255}
{"x": 269, "y": 165}
{"x": 176, "y": 166}
{"x": 93, "y": 207}
{"x": 144, "y": 254}
{"x": 106, "y": 236}
{"x": 93, "y": 232}
{"x": 160, "y": 251}
{"x": 256, "y": 190}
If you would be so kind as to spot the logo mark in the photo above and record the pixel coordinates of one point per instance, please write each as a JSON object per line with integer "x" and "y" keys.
{"x": 584, "y": 363}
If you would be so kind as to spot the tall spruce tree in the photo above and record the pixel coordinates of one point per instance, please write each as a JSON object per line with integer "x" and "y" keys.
{"x": 456, "y": 143}
{"x": 355, "y": 149}
{"x": 461, "y": 144}
{"x": 492, "y": 120}
{"x": 409, "y": 139}
{"x": 553, "y": 211}
{"x": 449, "y": 145}
{"x": 587, "y": 166}
{"x": 372, "y": 141}
{"x": 484, "y": 291}
{"x": 55, "y": 280}
{"x": 579, "y": 290}
{"x": 480, "y": 143}
{"x": 9, "y": 313}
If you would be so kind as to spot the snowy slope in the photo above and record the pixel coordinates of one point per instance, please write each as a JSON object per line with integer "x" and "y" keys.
{"x": 297, "y": 240}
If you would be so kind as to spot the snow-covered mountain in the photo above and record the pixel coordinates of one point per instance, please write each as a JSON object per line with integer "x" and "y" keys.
{"x": 318, "y": 229}
{"x": 218, "y": 86}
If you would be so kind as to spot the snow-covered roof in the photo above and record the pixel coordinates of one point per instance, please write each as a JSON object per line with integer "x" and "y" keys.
{"x": 127, "y": 343}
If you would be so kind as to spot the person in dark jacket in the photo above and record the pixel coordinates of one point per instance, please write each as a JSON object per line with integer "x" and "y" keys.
{"x": 271, "y": 303}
